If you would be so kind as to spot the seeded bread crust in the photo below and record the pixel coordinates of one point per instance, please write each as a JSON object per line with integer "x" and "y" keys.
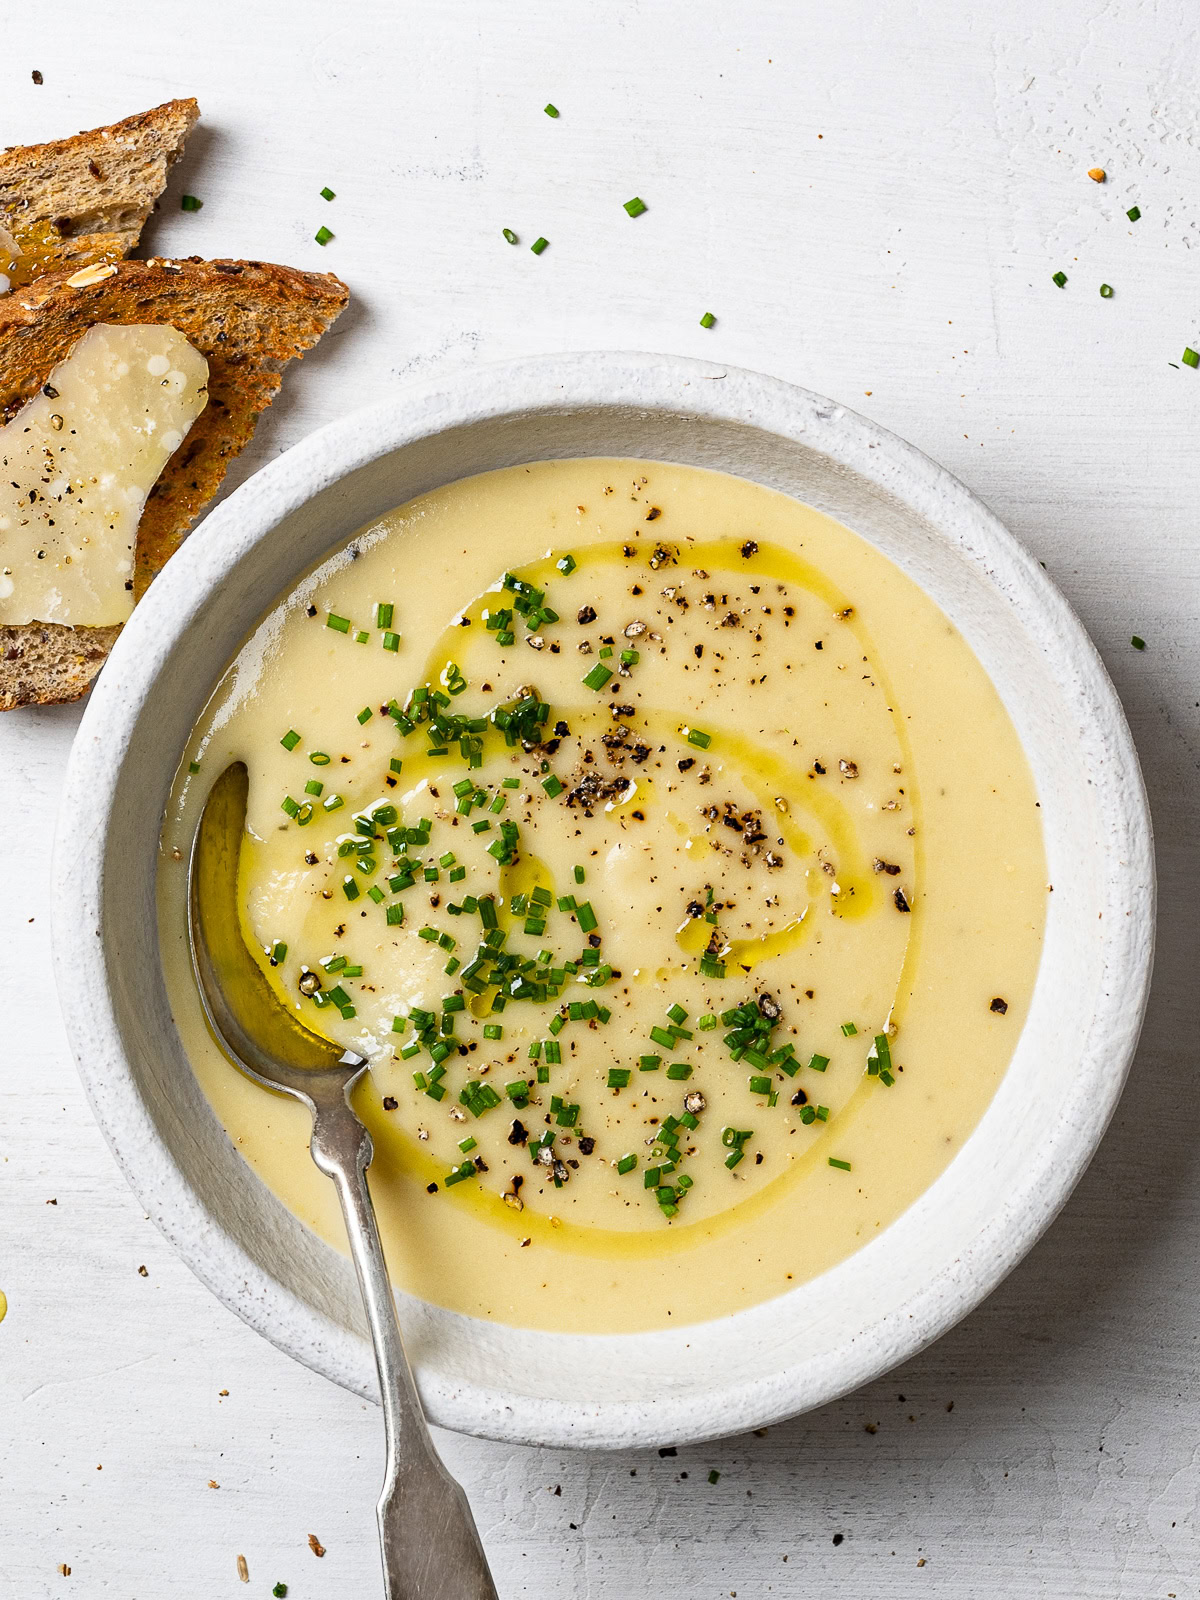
{"x": 84, "y": 199}
{"x": 247, "y": 318}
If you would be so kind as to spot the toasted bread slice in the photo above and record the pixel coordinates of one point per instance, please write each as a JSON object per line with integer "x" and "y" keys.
{"x": 247, "y": 318}
{"x": 84, "y": 199}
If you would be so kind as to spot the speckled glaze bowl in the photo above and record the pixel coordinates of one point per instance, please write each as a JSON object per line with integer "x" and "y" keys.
{"x": 910, "y": 1283}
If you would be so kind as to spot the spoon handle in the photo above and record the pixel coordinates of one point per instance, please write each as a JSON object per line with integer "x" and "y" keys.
{"x": 431, "y": 1547}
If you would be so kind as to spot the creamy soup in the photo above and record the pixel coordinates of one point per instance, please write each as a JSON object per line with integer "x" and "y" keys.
{"x": 668, "y": 854}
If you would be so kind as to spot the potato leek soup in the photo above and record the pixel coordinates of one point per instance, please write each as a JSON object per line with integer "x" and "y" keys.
{"x": 668, "y": 854}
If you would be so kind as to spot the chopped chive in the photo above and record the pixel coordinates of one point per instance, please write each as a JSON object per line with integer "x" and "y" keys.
{"x": 679, "y": 1069}
{"x": 578, "y": 874}
{"x": 566, "y": 565}
{"x": 350, "y": 889}
{"x": 699, "y": 739}
{"x": 849, "y": 1029}
{"x": 1133, "y": 213}
{"x": 618, "y": 1077}
{"x": 339, "y": 624}
{"x": 313, "y": 786}
{"x": 365, "y": 714}
{"x": 597, "y": 677}
{"x": 635, "y": 207}
{"x": 332, "y": 802}
{"x": 318, "y": 758}
{"x": 1137, "y": 642}
{"x": 649, "y": 1063}
{"x": 714, "y": 1476}
{"x": 1060, "y": 278}
{"x": 587, "y": 917}
{"x": 552, "y": 786}
{"x": 383, "y": 614}
{"x": 677, "y": 1013}
{"x": 278, "y": 952}
{"x": 189, "y": 202}
{"x": 1106, "y": 291}
{"x": 842, "y": 1166}
{"x": 707, "y": 320}
{"x": 551, "y": 111}
{"x": 1190, "y": 357}
{"x": 626, "y": 1164}
{"x": 819, "y": 1063}
{"x": 327, "y": 194}
{"x": 323, "y": 235}
{"x": 492, "y": 1030}
{"x": 509, "y": 235}
{"x": 361, "y": 636}
{"x": 290, "y": 739}
{"x": 193, "y": 766}
{"x": 289, "y": 805}
{"x": 537, "y": 247}
{"x": 732, "y": 1160}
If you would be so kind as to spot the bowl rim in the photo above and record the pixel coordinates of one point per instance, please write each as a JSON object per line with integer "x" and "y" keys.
{"x": 531, "y": 385}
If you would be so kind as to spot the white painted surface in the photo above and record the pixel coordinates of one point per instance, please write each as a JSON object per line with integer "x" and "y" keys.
{"x": 908, "y": 253}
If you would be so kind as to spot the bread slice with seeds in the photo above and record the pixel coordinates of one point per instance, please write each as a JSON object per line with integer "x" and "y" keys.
{"x": 73, "y": 201}
{"x": 247, "y": 318}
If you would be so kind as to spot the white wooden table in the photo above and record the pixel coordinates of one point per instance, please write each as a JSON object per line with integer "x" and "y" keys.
{"x": 871, "y": 197}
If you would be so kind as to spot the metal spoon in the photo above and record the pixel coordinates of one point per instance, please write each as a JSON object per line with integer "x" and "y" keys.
{"x": 431, "y": 1547}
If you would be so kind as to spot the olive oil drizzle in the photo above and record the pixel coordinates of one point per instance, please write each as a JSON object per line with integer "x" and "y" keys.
{"x": 763, "y": 774}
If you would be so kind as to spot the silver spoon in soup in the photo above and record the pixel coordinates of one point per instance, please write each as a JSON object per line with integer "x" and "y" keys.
{"x": 431, "y": 1547}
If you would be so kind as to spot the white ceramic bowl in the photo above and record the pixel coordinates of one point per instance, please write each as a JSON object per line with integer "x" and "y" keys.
{"x": 909, "y": 1284}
